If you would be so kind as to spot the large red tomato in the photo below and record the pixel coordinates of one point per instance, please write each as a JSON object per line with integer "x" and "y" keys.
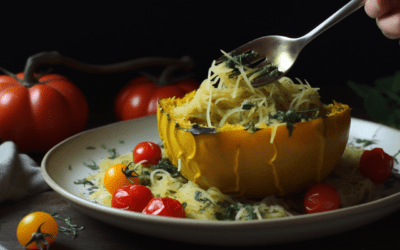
{"x": 140, "y": 96}
{"x": 39, "y": 116}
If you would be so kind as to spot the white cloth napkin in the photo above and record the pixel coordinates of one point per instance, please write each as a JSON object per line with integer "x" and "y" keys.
{"x": 20, "y": 176}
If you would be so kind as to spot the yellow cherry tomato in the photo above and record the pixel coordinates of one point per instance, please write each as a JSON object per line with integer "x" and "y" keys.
{"x": 115, "y": 178}
{"x": 37, "y": 228}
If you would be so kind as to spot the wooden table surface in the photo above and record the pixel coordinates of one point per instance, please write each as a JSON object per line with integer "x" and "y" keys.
{"x": 382, "y": 234}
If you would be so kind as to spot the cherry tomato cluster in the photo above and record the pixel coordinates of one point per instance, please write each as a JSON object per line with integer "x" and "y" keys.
{"x": 127, "y": 192}
{"x": 375, "y": 164}
{"x": 138, "y": 198}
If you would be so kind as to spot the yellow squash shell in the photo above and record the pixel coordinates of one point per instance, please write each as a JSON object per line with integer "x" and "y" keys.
{"x": 248, "y": 164}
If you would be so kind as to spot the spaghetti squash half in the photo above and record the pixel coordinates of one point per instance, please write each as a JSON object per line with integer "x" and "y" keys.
{"x": 254, "y": 142}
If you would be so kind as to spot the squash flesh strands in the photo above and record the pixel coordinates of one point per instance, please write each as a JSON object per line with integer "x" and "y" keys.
{"x": 275, "y": 139}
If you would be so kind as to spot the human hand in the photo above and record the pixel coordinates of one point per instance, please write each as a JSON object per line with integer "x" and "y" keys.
{"x": 387, "y": 15}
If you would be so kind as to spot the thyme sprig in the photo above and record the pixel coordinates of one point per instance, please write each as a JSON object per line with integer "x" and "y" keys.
{"x": 71, "y": 229}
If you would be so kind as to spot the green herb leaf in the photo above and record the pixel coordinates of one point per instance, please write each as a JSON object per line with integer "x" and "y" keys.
{"x": 84, "y": 182}
{"x": 113, "y": 153}
{"x": 247, "y": 106}
{"x": 391, "y": 83}
{"x": 382, "y": 101}
{"x": 72, "y": 228}
{"x": 394, "y": 157}
{"x": 365, "y": 142}
{"x": 269, "y": 70}
{"x": 384, "y": 83}
{"x": 92, "y": 190}
{"x": 90, "y": 147}
{"x": 396, "y": 83}
{"x": 167, "y": 165}
{"x": 70, "y": 167}
{"x": 376, "y": 106}
{"x": 241, "y": 59}
{"x": 93, "y": 166}
{"x": 231, "y": 211}
{"x": 361, "y": 90}
{"x": 197, "y": 195}
{"x": 291, "y": 117}
{"x": 184, "y": 204}
{"x": 393, "y": 96}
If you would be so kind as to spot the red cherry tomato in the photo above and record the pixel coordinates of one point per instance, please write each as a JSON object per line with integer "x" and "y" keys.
{"x": 376, "y": 165}
{"x": 133, "y": 198}
{"x": 165, "y": 207}
{"x": 321, "y": 197}
{"x": 140, "y": 96}
{"x": 147, "y": 153}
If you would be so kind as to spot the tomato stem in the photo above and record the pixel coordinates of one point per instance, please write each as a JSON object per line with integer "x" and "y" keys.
{"x": 55, "y": 58}
{"x": 39, "y": 238}
{"x": 9, "y": 73}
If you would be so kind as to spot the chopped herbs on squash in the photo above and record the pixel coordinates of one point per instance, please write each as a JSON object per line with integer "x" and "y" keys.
{"x": 247, "y": 106}
{"x": 291, "y": 117}
{"x": 246, "y": 59}
{"x": 231, "y": 211}
{"x": 166, "y": 164}
{"x": 241, "y": 59}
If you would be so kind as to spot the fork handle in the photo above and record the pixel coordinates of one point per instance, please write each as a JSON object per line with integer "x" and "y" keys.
{"x": 332, "y": 20}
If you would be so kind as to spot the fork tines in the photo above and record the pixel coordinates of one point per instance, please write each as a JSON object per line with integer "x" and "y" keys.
{"x": 248, "y": 58}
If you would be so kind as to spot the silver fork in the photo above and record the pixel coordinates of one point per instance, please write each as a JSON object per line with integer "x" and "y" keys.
{"x": 277, "y": 54}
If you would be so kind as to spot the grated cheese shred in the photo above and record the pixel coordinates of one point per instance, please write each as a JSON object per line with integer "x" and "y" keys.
{"x": 221, "y": 99}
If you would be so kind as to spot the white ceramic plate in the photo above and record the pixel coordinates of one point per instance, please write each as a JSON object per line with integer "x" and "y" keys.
{"x": 64, "y": 164}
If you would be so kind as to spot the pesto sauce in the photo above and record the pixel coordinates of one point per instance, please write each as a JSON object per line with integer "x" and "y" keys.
{"x": 291, "y": 117}
{"x": 231, "y": 211}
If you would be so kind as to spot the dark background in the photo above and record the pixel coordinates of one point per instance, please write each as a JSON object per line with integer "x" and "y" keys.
{"x": 111, "y": 32}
